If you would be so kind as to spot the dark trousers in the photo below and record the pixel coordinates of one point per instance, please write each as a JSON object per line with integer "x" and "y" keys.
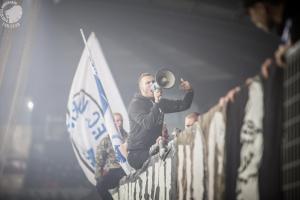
{"x": 137, "y": 158}
{"x": 109, "y": 181}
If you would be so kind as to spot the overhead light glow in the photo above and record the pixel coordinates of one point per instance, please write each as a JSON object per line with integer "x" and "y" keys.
{"x": 30, "y": 105}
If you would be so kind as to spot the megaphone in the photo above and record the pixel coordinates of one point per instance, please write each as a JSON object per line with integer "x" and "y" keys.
{"x": 164, "y": 79}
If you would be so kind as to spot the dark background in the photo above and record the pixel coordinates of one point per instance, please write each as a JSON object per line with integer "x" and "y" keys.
{"x": 210, "y": 43}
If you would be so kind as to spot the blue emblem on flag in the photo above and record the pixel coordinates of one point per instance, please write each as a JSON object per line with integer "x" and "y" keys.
{"x": 86, "y": 111}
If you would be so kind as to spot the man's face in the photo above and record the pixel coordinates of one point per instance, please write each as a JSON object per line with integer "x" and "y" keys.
{"x": 188, "y": 122}
{"x": 260, "y": 16}
{"x": 118, "y": 121}
{"x": 145, "y": 86}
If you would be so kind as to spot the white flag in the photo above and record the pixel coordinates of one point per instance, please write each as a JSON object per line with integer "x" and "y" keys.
{"x": 89, "y": 117}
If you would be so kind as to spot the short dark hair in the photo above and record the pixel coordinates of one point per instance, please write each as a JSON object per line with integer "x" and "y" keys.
{"x": 143, "y": 75}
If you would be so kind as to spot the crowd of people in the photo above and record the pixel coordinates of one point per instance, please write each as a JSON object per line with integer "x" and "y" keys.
{"x": 147, "y": 108}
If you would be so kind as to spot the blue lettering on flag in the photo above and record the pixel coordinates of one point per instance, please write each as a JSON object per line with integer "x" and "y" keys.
{"x": 103, "y": 100}
{"x": 91, "y": 157}
{"x": 69, "y": 123}
{"x": 91, "y": 125}
{"x": 99, "y": 131}
{"x": 80, "y": 106}
{"x": 83, "y": 107}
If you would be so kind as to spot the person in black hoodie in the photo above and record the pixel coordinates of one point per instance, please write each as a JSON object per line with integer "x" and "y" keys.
{"x": 146, "y": 115}
{"x": 279, "y": 15}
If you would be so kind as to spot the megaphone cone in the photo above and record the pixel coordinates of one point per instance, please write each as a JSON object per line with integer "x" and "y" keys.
{"x": 165, "y": 78}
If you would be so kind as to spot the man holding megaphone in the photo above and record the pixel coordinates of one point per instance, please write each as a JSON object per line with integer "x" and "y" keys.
{"x": 146, "y": 113}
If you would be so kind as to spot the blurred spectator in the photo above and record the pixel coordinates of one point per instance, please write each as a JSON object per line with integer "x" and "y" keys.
{"x": 190, "y": 119}
{"x": 279, "y": 15}
{"x": 108, "y": 169}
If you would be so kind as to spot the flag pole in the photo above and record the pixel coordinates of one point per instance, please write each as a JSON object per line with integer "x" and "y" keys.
{"x": 126, "y": 167}
{"x": 89, "y": 51}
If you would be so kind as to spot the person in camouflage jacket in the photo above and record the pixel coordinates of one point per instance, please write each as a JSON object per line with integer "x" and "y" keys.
{"x": 108, "y": 170}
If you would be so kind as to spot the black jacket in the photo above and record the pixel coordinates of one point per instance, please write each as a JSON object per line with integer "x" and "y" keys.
{"x": 146, "y": 118}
